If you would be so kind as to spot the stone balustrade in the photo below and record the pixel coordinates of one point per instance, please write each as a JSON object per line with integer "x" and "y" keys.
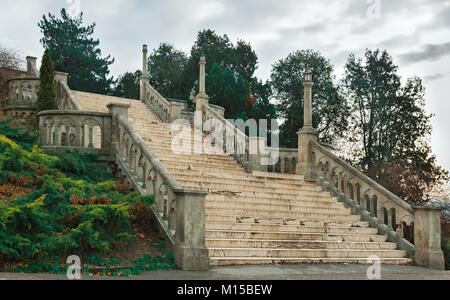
{"x": 365, "y": 192}
{"x": 180, "y": 213}
{"x": 22, "y": 97}
{"x": 235, "y": 141}
{"x": 65, "y": 100}
{"x": 160, "y": 105}
{"x": 85, "y": 131}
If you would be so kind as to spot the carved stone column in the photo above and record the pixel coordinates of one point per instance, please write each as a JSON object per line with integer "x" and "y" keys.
{"x": 145, "y": 79}
{"x": 305, "y": 165}
{"x": 202, "y": 97}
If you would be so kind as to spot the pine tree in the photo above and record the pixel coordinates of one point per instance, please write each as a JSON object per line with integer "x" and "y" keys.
{"x": 75, "y": 51}
{"x": 47, "y": 91}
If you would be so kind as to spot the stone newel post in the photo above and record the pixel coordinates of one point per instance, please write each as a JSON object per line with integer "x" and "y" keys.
{"x": 145, "y": 79}
{"x": 202, "y": 97}
{"x": 190, "y": 251}
{"x": 116, "y": 109}
{"x": 427, "y": 237}
{"x": 307, "y": 134}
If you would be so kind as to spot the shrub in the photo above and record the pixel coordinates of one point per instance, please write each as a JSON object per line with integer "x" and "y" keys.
{"x": 446, "y": 249}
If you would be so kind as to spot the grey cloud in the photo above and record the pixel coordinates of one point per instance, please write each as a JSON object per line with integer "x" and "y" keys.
{"x": 429, "y": 52}
{"x": 434, "y": 77}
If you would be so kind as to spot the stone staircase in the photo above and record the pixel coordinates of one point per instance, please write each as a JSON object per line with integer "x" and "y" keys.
{"x": 258, "y": 218}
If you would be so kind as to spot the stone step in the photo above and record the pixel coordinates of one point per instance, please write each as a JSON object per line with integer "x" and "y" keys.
{"x": 290, "y": 244}
{"x": 295, "y": 236}
{"x": 236, "y": 186}
{"x": 239, "y": 261}
{"x": 307, "y": 253}
{"x": 308, "y": 221}
{"x": 242, "y": 190}
{"x": 178, "y": 167}
{"x": 268, "y": 213}
{"x": 290, "y": 228}
{"x": 249, "y": 180}
{"x": 268, "y": 175}
{"x": 275, "y": 209}
{"x": 323, "y": 202}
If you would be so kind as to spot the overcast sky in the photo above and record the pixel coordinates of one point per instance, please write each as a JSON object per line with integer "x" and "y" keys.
{"x": 415, "y": 32}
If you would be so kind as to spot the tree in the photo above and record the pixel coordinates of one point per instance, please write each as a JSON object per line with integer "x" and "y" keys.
{"x": 390, "y": 128}
{"x": 166, "y": 65}
{"x": 10, "y": 65}
{"x": 75, "y": 51}
{"x": 47, "y": 89}
{"x": 219, "y": 50}
{"x": 227, "y": 91}
{"x": 128, "y": 85}
{"x": 329, "y": 106}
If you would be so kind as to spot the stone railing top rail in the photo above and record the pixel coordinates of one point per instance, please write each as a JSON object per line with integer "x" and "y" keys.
{"x": 225, "y": 121}
{"x": 25, "y": 78}
{"x": 365, "y": 178}
{"x": 74, "y": 112}
{"x": 175, "y": 186}
{"x": 158, "y": 95}
{"x": 65, "y": 88}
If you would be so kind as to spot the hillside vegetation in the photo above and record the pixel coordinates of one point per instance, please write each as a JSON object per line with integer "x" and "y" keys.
{"x": 56, "y": 205}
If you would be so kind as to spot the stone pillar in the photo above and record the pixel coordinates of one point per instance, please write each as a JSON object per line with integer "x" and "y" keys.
{"x": 145, "y": 79}
{"x": 61, "y": 76}
{"x": 427, "y": 238}
{"x": 190, "y": 251}
{"x": 31, "y": 67}
{"x": 202, "y": 97}
{"x": 305, "y": 165}
{"x": 115, "y": 109}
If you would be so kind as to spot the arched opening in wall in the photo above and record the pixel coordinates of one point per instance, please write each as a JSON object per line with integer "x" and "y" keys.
{"x": 327, "y": 171}
{"x": 351, "y": 191}
{"x": 394, "y": 219}
{"x": 287, "y": 166}
{"x": 342, "y": 184}
{"x": 278, "y": 166}
{"x": 294, "y": 166}
{"x": 408, "y": 232}
{"x": 367, "y": 203}
{"x": 97, "y": 136}
{"x": 270, "y": 168}
{"x": 375, "y": 206}
{"x": 385, "y": 216}
{"x": 358, "y": 193}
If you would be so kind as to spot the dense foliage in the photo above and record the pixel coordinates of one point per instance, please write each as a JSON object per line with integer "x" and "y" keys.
{"x": 389, "y": 127}
{"x": 45, "y": 213}
{"x": 330, "y": 109}
{"x": 47, "y": 90}
{"x": 128, "y": 85}
{"x": 75, "y": 51}
{"x": 166, "y": 65}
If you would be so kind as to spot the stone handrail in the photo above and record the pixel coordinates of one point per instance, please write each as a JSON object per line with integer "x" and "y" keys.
{"x": 160, "y": 105}
{"x": 371, "y": 196}
{"x": 241, "y": 142}
{"x": 65, "y": 100}
{"x": 75, "y": 130}
{"x": 180, "y": 213}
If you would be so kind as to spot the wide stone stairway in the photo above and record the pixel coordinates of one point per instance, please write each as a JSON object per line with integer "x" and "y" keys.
{"x": 258, "y": 218}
